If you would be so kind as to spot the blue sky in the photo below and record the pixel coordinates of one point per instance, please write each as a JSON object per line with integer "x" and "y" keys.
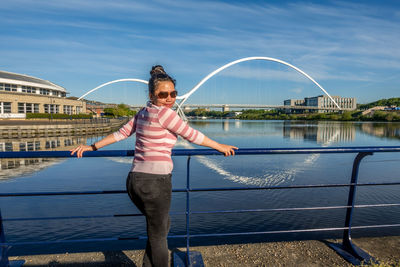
{"x": 352, "y": 48}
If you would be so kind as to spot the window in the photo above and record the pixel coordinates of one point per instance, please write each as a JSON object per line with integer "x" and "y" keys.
{"x": 37, "y": 145}
{"x": 8, "y": 87}
{"x": 28, "y": 108}
{"x": 31, "y": 162}
{"x": 51, "y": 108}
{"x": 78, "y": 110}
{"x": 11, "y": 164}
{"x": 28, "y": 89}
{"x": 5, "y": 107}
{"x": 22, "y": 146}
{"x": 52, "y": 144}
{"x": 6, "y": 147}
{"x": 44, "y": 91}
{"x": 30, "y": 146}
{"x": 21, "y": 107}
{"x": 67, "y": 142}
{"x": 67, "y": 109}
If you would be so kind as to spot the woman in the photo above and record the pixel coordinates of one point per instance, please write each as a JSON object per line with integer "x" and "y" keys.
{"x": 149, "y": 181}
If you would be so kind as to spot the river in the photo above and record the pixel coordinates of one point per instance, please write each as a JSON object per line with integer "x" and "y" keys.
{"x": 73, "y": 174}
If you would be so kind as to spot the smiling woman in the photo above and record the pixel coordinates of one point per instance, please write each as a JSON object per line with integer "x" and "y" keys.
{"x": 148, "y": 183}
{"x": 162, "y": 88}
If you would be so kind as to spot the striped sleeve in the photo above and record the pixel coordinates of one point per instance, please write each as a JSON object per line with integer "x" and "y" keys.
{"x": 126, "y": 130}
{"x": 171, "y": 121}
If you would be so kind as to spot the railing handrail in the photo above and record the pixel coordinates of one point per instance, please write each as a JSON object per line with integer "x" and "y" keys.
{"x": 204, "y": 152}
{"x": 183, "y": 190}
{"x": 356, "y": 254}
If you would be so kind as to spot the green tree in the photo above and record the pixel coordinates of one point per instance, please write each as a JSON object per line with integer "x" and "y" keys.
{"x": 120, "y": 110}
{"x": 346, "y": 116}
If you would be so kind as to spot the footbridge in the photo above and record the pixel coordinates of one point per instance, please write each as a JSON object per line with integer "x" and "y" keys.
{"x": 228, "y": 107}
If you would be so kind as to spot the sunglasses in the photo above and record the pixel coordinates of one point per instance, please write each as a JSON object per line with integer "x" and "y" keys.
{"x": 164, "y": 95}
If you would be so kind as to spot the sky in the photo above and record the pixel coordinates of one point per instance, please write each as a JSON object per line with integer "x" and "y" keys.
{"x": 351, "y": 48}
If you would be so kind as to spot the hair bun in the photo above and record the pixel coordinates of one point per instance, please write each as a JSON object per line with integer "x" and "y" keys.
{"x": 157, "y": 69}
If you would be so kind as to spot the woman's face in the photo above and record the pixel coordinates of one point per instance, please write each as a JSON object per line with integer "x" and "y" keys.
{"x": 162, "y": 89}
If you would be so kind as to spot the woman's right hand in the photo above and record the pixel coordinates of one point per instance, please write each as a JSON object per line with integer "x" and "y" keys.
{"x": 80, "y": 149}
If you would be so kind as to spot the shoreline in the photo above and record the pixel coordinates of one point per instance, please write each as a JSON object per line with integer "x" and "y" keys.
{"x": 288, "y": 119}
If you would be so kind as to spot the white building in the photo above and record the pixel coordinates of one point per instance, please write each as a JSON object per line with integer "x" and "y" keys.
{"x": 21, "y": 94}
{"x": 323, "y": 102}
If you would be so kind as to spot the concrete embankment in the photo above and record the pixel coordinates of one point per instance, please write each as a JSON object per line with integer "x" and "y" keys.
{"x": 296, "y": 253}
{"x": 50, "y": 128}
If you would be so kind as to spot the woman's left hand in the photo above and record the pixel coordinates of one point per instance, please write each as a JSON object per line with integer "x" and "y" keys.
{"x": 227, "y": 150}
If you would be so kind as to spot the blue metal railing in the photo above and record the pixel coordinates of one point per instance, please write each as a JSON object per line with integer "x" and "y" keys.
{"x": 347, "y": 249}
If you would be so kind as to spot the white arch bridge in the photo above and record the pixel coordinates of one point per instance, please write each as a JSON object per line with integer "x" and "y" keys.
{"x": 182, "y": 99}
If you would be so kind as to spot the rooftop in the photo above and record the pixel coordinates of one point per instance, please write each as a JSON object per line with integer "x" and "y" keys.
{"x": 29, "y": 80}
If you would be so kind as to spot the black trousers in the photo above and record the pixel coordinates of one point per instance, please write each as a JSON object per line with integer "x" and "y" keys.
{"x": 151, "y": 193}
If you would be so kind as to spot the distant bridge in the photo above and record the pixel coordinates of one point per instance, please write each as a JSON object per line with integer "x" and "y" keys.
{"x": 227, "y": 107}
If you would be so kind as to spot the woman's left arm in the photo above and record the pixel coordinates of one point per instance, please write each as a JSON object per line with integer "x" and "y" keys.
{"x": 170, "y": 120}
{"x": 227, "y": 150}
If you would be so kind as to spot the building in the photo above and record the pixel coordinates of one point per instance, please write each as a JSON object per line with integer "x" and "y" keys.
{"x": 323, "y": 102}
{"x": 96, "y": 108}
{"x": 21, "y": 94}
{"x": 294, "y": 102}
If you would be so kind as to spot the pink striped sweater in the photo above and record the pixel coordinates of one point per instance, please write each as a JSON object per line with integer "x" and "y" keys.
{"x": 157, "y": 129}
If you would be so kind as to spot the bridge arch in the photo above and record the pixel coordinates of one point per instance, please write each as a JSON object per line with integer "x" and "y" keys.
{"x": 197, "y": 86}
{"x": 184, "y": 97}
{"x": 111, "y": 82}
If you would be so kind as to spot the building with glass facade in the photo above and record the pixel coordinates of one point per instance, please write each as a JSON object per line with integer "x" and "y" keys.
{"x": 322, "y": 102}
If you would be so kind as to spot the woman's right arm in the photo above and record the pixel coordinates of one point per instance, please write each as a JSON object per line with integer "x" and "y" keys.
{"x": 123, "y": 133}
{"x": 108, "y": 140}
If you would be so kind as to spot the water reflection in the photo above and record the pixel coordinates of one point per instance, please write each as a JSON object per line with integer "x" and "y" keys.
{"x": 325, "y": 133}
{"x": 225, "y": 126}
{"x": 320, "y": 132}
{"x": 16, "y": 167}
{"x": 382, "y": 129}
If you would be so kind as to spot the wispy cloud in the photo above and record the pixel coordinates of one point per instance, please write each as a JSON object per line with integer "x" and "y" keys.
{"x": 336, "y": 42}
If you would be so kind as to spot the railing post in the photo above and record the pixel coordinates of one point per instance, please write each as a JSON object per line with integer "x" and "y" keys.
{"x": 4, "y": 262}
{"x": 192, "y": 258}
{"x": 3, "y": 248}
{"x": 187, "y": 211}
{"x": 347, "y": 249}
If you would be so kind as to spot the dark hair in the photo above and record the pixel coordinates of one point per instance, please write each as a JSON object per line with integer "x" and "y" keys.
{"x": 158, "y": 74}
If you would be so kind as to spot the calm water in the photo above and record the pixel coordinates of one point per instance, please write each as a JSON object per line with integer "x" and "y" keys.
{"x": 216, "y": 171}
